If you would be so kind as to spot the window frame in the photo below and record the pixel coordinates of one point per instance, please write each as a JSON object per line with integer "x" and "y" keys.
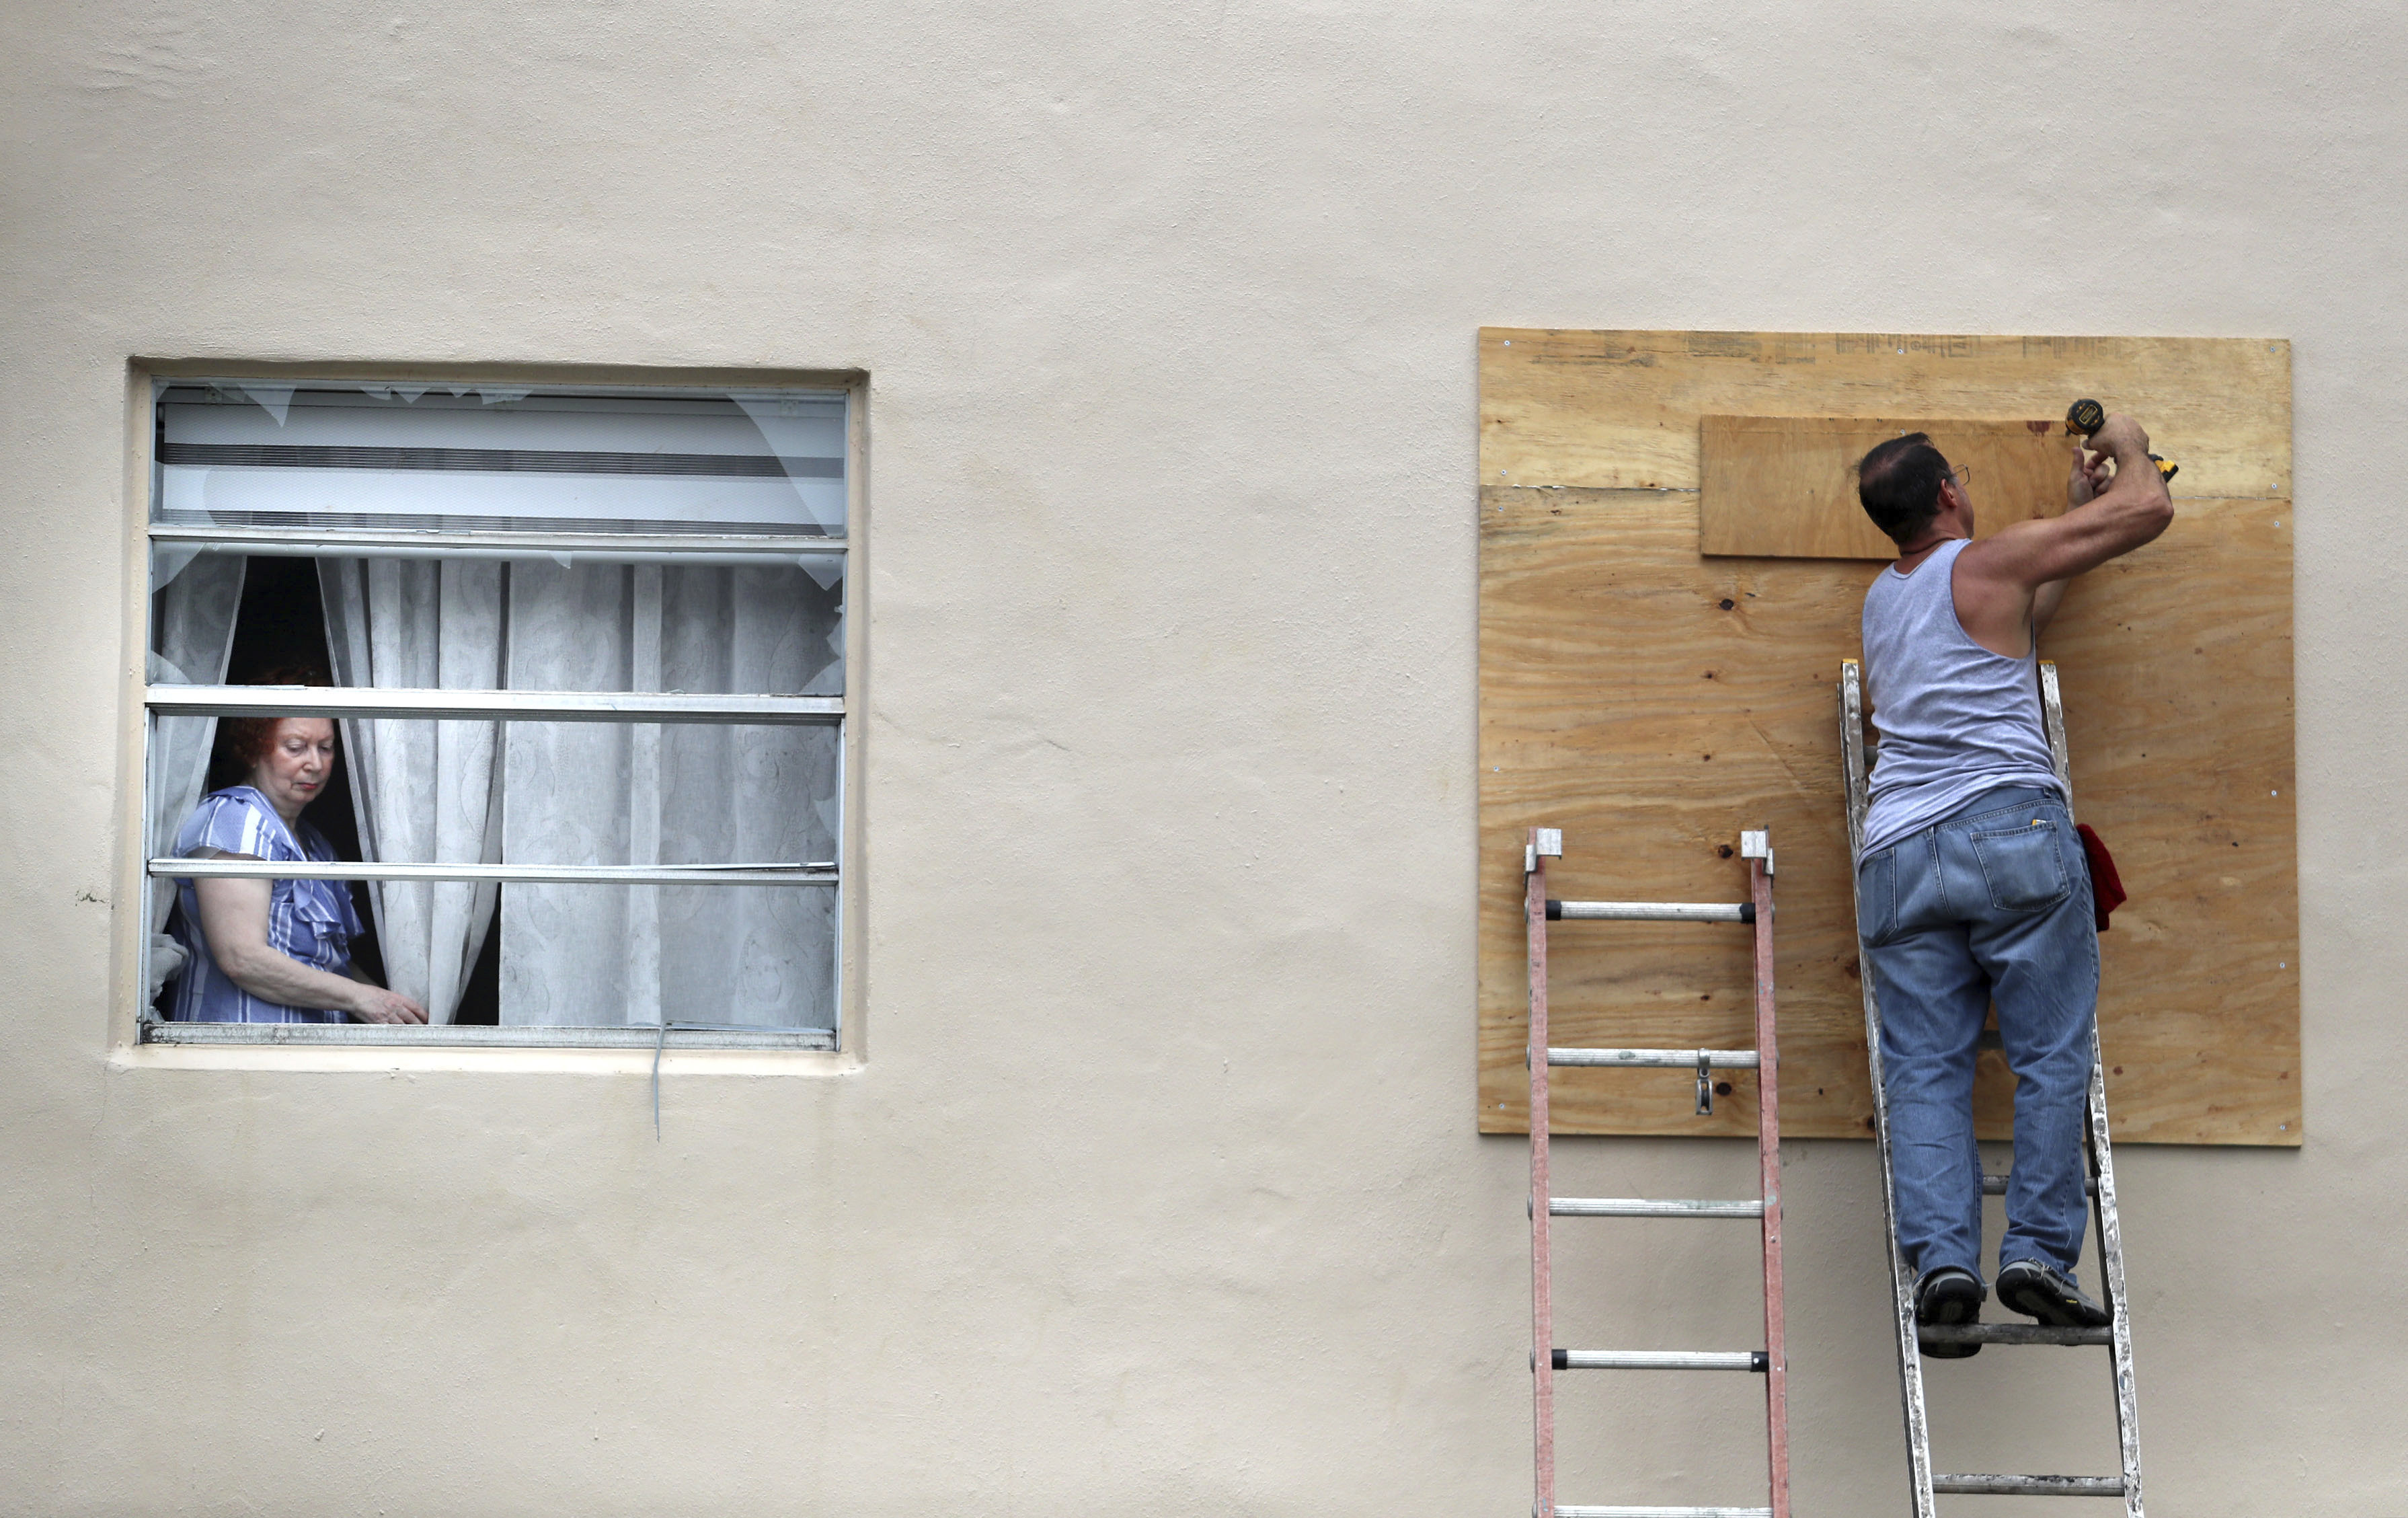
{"x": 144, "y": 1030}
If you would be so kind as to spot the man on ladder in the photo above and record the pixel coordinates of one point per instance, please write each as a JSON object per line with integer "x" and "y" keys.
{"x": 1971, "y": 884}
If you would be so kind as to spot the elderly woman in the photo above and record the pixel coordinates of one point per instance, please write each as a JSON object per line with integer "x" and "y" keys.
{"x": 272, "y": 950}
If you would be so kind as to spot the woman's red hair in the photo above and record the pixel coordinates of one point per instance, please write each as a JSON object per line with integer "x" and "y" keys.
{"x": 244, "y": 741}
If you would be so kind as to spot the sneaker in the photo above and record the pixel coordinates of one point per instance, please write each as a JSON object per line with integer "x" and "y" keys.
{"x": 1949, "y": 1295}
{"x": 2044, "y": 1291}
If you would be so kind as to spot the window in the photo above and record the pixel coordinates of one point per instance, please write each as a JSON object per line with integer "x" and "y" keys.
{"x": 581, "y": 650}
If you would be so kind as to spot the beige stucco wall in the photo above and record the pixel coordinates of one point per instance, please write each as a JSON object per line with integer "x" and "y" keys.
{"x": 1156, "y": 1187}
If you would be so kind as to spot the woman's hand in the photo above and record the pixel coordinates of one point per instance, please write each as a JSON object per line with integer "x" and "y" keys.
{"x": 375, "y": 1004}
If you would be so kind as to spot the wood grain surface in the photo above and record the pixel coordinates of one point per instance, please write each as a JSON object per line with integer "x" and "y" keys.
{"x": 1784, "y": 487}
{"x": 1652, "y": 702}
{"x": 1619, "y": 410}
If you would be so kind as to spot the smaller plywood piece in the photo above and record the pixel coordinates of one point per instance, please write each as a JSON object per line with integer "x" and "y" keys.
{"x": 1779, "y": 487}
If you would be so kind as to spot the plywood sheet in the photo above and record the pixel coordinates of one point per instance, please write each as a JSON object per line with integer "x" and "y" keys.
{"x": 1652, "y": 701}
{"x": 1784, "y": 487}
{"x": 1619, "y": 410}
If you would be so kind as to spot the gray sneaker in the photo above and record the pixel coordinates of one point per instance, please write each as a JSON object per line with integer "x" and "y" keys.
{"x": 1946, "y": 1297}
{"x": 2044, "y": 1291}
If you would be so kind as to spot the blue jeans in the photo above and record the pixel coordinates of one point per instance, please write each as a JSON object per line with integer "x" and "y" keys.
{"x": 1992, "y": 902}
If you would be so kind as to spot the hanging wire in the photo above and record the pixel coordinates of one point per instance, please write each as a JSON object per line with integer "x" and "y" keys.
{"x": 661, "y": 1043}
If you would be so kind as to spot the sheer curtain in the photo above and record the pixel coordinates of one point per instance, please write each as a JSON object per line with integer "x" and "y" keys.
{"x": 193, "y": 624}
{"x": 597, "y": 792}
{"x": 423, "y": 791}
{"x": 671, "y": 793}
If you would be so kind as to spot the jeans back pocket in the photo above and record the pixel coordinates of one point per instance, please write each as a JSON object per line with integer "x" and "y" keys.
{"x": 1877, "y": 897}
{"x": 2024, "y": 867}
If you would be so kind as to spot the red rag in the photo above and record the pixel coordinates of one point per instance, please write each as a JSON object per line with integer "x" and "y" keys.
{"x": 2106, "y": 888}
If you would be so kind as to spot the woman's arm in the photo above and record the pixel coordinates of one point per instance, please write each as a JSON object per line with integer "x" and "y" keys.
{"x": 234, "y": 921}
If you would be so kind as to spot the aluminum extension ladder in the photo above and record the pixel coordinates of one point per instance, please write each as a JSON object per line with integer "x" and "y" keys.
{"x": 1547, "y": 843}
{"x": 2102, "y": 1186}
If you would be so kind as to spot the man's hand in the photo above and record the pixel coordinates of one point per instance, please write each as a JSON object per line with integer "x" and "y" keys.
{"x": 2090, "y": 476}
{"x": 2122, "y": 439}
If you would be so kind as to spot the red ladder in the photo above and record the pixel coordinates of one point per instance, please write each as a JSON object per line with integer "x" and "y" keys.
{"x": 1547, "y": 843}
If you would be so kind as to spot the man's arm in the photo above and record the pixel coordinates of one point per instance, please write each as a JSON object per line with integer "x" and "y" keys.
{"x": 2133, "y": 510}
{"x": 2082, "y": 484}
{"x": 2009, "y": 585}
{"x": 2044, "y": 603}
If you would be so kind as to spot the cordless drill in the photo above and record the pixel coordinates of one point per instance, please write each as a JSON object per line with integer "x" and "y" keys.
{"x": 2084, "y": 418}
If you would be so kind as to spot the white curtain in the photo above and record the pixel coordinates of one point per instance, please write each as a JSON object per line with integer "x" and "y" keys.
{"x": 675, "y": 792}
{"x": 423, "y": 791}
{"x": 597, "y": 792}
{"x": 193, "y": 625}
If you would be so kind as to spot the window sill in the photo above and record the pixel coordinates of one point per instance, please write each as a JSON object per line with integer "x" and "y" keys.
{"x": 345, "y": 1035}
{"x": 363, "y": 1048}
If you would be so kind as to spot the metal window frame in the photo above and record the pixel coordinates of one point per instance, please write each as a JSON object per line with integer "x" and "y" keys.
{"x": 346, "y": 869}
{"x": 466, "y": 1036}
{"x": 699, "y": 550}
{"x": 489, "y": 706}
{"x": 734, "y": 550}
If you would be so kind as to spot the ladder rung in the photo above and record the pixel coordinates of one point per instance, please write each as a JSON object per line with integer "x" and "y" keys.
{"x": 1562, "y": 1512}
{"x": 1651, "y": 912}
{"x": 2010, "y": 1333}
{"x": 1648, "y": 1206}
{"x": 1996, "y": 1185}
{"x": 2031, "y": 1486}
{"x": 1660, "y": 1360}
{"x": 1655, "y": 1059}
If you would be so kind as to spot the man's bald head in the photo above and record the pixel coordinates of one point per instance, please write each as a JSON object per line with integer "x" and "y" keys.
{"x": 1899, "y": 483}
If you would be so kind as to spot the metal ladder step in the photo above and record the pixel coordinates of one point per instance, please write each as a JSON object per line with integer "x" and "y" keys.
{"x": 1651, "y": 912}
{"x": 1755, "y": 1360}
{"x": 2031, "y": 1486}
{"x": 1996, "y": 1185}
{"x": 2010, "y": 1333}
{"x": 1655, "y": 1059}
{"x": 1648, "y": 1206}
{"x": 1663, "y": 1512}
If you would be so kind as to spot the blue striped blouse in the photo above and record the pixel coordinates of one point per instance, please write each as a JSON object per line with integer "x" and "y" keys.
{"x": 310, "y": 920}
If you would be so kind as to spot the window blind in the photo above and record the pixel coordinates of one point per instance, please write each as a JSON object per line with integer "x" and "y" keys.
{"x": 499, "y": 459}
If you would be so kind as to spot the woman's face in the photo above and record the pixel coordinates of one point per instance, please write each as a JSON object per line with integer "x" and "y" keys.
{"x": 300, "y": 755}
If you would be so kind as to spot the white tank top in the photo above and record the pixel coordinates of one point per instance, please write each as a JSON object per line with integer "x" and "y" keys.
{"x": 1954, "y": 719}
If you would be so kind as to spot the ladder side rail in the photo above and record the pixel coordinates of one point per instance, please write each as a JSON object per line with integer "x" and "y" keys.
{"x": 1768, "y": 1150}
{"x": 2101, "y": 1154}
{"x": 2111, "y": 1265}
{"x": 1542, "y": 1333}
{"x": 1910, "y": 1353}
